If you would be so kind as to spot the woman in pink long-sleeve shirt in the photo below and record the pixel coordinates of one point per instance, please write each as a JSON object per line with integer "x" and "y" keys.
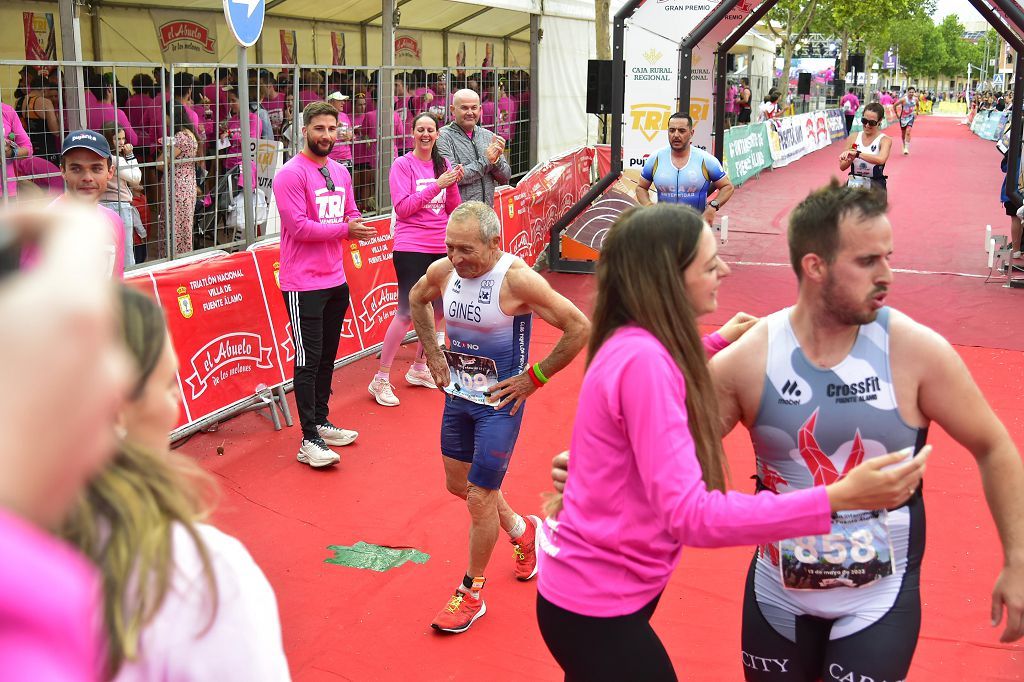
{"x": 425, "y": 190}
{"x": 648, "y": 473}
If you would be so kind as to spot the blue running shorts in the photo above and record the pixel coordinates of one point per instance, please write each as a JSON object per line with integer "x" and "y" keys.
{"x": 482, "y": 436}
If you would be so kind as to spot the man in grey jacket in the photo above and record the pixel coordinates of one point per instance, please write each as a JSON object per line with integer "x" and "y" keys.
{"x": 478, "y": 150}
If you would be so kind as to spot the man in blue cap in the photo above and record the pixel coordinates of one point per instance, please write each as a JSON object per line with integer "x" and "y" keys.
{"x": 86, "y": 167}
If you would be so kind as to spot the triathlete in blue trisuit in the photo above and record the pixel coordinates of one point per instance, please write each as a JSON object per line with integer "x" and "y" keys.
{"x": 906, "y": 108}
{"x": 684, "y": 174}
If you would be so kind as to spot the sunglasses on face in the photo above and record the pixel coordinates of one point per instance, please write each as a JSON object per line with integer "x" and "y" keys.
{"x": 869, "y": 122}
{"x": 327, "y": 178}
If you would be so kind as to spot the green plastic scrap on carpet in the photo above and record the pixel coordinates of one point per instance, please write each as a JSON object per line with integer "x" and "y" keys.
{"x": 374, "y": 557}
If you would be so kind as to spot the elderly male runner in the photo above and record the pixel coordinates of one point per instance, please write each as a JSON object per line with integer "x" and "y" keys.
{"x": 489, "y": 300}
{"x": 846, "y": 378}
{"x": 684, "y": 174}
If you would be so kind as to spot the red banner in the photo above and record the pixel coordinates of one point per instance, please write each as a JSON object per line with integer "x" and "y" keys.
{"x": 289, "y": 47}
{"x": 218, "y": 319}
{"x": 546, "y": 193}
{"x": 268, "y": 262}
{"x": 337, "y": 48}
{"x": 372, "y": 283}
{"x": 40, "y": 42}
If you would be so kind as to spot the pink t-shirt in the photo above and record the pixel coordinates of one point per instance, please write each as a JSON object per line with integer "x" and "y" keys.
{"x": 135, "y": 108}
{"x": 403, "y": 124}
{"x": 218, "y": 102}
{"x": 100, "y": 113}
{"x": 854, "y": 103}
{"x": 342, "y": 151}
{"x": 275, "y": 111}
{"x": 506, "y": 117}
{"x": 421, "y": 207}
{"x": 50, "y": 608}
{"x": 53, "y": 183}
{"x": 12, "y": 124}
{"x": 308, "y": 96}
{"x": 635, "y": 495}
{"x": 234, "y": 151}
{"x": 730, "y": 100}
{"x": 365, "y": 125}
{"x": 885, "y": 100}
{"x": 314, "y": 220}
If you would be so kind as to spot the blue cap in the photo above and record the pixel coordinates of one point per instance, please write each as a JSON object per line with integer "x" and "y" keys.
{"x": 86, "y": 139}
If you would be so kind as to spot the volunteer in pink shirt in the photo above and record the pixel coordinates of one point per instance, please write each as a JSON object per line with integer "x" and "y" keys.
{"x": 424, "y": 190}
{"x": 231, "y": 131}
{"x": 342, "y": 152}
{"x": 273, "y": 101}
{"x": 318, "y": 211}
{"x": 17, "y": 145}
{"x": 364, "y": 125}
{"x": 104, "y": 110}
{"x": 849, "y": 103}
{"x": 648, "y": 471}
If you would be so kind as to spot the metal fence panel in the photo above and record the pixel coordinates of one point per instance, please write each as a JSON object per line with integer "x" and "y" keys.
{"x": 182, "y": 124}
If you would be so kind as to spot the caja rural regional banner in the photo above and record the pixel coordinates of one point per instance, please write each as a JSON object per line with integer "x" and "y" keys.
{"x": 651, "y": 55}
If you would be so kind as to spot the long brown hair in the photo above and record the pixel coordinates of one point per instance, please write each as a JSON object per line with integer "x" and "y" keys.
{"x": 440, "y": 165}
{"x": 640, "y": 281}
{"x": 124, "y": 520}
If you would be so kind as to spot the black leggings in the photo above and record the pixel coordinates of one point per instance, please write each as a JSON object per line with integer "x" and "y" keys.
{"x": 593, "y": 649}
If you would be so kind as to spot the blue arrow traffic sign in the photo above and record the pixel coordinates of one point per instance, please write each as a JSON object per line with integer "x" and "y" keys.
{"x": 245, "y": 19}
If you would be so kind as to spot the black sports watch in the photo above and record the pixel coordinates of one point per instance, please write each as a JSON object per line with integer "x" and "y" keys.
{"x": 714, "y": 204}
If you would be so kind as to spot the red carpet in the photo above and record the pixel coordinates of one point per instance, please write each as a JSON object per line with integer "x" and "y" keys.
{"x": 348, "y": 624}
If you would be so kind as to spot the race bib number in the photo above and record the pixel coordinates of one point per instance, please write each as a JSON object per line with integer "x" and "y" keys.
{"x": 856, "y": 553}
{"x": 471, "y": 376}
{"x": 859, "y": 181}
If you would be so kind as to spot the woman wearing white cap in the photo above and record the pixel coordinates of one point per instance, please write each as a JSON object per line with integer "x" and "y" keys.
{"x": 342, "y": 151}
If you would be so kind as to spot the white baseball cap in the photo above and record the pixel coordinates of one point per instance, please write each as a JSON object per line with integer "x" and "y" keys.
{"x": 337, "y": 96}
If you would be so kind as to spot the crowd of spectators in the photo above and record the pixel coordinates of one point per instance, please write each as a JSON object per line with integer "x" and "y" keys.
{"x": 191, "y": 122}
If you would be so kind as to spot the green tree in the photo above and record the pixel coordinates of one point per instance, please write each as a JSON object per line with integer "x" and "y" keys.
{"x": 850, "y": 20}
{"x": 923, "y": 50}
{"x": 789, "y": 21}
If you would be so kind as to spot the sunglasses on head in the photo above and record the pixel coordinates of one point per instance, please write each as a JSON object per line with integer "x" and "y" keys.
{"x": 327, "y": 178}
{"x": 869, "y": 122}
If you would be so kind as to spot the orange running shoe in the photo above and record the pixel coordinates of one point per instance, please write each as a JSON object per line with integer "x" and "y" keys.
{"x": 525, "y": 548}
{"x": 461, "y": 612}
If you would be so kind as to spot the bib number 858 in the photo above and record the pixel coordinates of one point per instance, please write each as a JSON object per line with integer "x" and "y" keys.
{"x": 835, "y": 548}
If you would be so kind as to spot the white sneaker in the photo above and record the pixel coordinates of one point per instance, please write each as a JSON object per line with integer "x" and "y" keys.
{"x": 1015, "y": 254}
{"x": 420, "y": 377}
{"x": 332, "y": 435}
{"x": 906, "y": 150}
{"x": 382, "y": 392}
{"x": 316, "y": 454}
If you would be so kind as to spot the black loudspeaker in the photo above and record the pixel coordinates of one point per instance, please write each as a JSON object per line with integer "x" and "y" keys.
{"x": 855, "y": 63}
{"x": 840, "y": 88}
{"x": 730, "y": 63}
{"x": 599, "y": 86}
{"x": 803, "y": 86}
